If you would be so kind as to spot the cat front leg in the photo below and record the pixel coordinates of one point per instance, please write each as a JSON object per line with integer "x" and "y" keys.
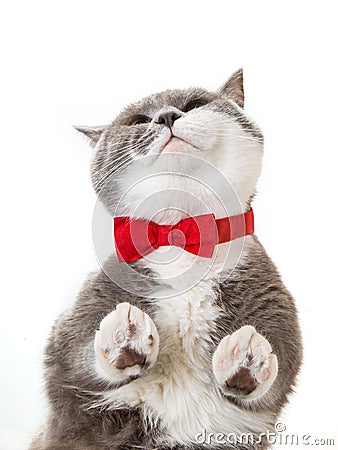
{"x": 244, "y": 364}
{"x": 126, "y": 344}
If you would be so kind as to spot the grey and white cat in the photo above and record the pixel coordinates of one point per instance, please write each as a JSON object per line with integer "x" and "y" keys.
{"x": 175, "y": 351}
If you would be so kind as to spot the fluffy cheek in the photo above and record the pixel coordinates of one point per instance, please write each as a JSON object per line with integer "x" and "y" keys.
{"x": 226, "y": 145}
{"x": 202, "y": 129}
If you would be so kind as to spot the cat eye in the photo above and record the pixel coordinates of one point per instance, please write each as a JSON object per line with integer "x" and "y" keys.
{"x": 139, "y": 120}
{"x": 195, "y": 103}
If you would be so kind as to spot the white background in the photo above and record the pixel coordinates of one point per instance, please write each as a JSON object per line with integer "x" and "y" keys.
{"x": 79, "y": 62}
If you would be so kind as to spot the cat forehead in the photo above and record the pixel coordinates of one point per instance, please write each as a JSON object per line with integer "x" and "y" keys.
{"x": 176, "y": 97}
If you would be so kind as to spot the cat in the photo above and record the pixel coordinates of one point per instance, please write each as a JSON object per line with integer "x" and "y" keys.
{"x": 171, "y": 349}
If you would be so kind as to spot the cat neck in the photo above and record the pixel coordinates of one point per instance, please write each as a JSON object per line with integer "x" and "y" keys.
{"x": 171, "y": 216}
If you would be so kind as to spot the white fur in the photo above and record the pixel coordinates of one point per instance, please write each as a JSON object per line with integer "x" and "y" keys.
{"x": 215, "y": 169}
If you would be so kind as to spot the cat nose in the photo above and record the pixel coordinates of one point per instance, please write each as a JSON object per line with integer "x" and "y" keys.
{"x": 168, "y": 117}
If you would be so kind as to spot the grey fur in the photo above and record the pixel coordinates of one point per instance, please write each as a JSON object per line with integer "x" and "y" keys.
{"x": 253, "y": 294}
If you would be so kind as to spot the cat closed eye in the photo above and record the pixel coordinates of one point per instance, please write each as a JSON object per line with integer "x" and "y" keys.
{"x": 139, "y": 120}
{"x": 195, "y": 103}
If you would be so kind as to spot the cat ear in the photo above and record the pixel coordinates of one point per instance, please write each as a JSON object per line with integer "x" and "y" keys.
{"x": 233, "y": 88}
{"x": 93, "y": 133}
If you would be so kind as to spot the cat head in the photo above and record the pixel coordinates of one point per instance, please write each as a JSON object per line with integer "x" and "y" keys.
{"x": 148, "y": 159}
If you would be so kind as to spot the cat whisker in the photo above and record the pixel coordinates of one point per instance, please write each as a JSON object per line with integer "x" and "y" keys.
{"x": 112, "y": 171}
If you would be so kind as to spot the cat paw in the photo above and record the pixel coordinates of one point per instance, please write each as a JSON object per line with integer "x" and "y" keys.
{"x": 244, "y": 365}
{"x": 126, "y": 343}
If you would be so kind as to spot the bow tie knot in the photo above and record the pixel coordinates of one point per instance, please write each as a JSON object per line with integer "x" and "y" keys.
{"x": 176, "y": 237}
{"x": 169, "y": 235}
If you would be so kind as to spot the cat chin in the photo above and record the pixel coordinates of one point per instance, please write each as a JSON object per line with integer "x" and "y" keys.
{"x": 154, "y": 194}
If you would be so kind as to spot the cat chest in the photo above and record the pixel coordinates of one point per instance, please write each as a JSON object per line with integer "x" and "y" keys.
{"x": 180, "y": 392}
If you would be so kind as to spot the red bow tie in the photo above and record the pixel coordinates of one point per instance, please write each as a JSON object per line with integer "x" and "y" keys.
{"x": 135, "y": 238}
